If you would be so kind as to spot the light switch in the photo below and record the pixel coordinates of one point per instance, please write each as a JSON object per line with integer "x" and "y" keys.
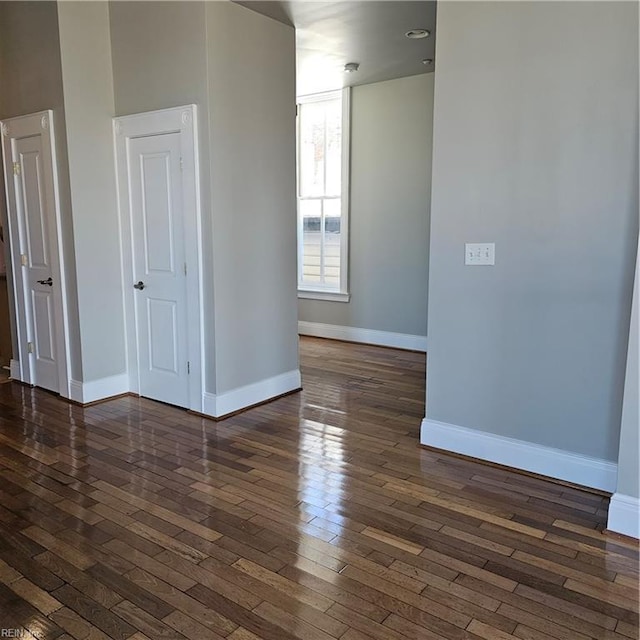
{"x": 477, "y": 254}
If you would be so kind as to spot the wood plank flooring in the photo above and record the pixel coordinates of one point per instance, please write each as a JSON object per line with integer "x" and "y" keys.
{"x": 315, "y": 517}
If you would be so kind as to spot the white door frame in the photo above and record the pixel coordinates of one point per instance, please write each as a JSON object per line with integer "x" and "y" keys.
{"x": 181, "y": 120}
{"x": 40, "y": 123}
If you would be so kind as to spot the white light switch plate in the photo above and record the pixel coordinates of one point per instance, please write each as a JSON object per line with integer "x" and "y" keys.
{"x": 477, "y": 254}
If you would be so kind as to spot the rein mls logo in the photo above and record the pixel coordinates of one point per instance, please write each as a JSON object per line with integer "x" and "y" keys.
{"x": 12, "y": 633}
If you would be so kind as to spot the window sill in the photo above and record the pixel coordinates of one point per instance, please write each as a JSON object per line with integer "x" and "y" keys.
{"x": 329, "y": 296}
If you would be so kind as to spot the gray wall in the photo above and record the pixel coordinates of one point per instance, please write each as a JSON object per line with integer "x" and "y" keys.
{"x": 391, "y": 138}
{"x": 251, "y": 65}
{"x": 158, "y": 51}
{"x": 239, "y": 68}
{"x": 88, "y": 93}
{"x": 535, "y": 149}
{"x": 31, "y": 81}
{"x": 628, "y": 460}
{"x": 159, "y": 61}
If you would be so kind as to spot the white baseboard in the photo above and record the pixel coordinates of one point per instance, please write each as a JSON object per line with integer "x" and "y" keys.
{"x": 93, "y": 390}
{"x": 230, "y": 401}
{"x": 14, "y": 369}
{"x": 365, "y": 336}
{"x": 624, "y": 515}
{"x": 75, "y": 391}
{"x": 209, "y": 404}
{"x": 519, "y": 454}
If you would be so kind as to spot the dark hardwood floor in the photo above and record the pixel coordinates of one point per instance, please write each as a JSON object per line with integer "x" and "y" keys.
{"x": 314, "y": 517}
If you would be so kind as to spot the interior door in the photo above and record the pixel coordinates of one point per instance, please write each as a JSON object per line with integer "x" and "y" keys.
{"x": 159, "y": 266}
{"x": 38, "y": 281}
{"x": 34, "y": 246}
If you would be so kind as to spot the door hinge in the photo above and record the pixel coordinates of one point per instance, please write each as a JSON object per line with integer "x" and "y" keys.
{"x": 16, "y": 169}
{"x": 188, "y": 367}
{"x": 29, "y": 347}
{"x": 185, "y": 268}
{"x": 23, "y": 260}
{"x": 181, "y": 164}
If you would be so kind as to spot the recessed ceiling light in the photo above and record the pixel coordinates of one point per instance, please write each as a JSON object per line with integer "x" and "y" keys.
{"x": 350, "y": 67}
{"x": 416, "y": 34}
{"x": 427, "y": 61}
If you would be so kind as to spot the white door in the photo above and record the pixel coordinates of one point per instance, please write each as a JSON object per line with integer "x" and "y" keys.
{"x": 159, "y": 207}
{"x": 33, "y": 224}
{"x": 159, "y": 267}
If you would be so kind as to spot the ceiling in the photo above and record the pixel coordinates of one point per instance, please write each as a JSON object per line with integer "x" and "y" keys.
{"x": 370, "y": 32}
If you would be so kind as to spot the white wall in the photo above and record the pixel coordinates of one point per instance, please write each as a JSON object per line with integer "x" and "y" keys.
{"x": 87, "y": 78}
{"x": 391, "y": 139}
{"x": 535, "y": 149}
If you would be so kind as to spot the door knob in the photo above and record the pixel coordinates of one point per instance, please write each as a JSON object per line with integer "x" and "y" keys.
{"x": 139, "y": 285}
{"x": 48, "y": 282}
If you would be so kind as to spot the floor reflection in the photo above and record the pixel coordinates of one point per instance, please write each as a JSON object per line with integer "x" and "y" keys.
{"x": 315, "y": 516}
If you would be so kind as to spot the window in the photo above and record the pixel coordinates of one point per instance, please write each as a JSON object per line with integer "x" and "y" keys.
{"x": 323, "y": 143}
